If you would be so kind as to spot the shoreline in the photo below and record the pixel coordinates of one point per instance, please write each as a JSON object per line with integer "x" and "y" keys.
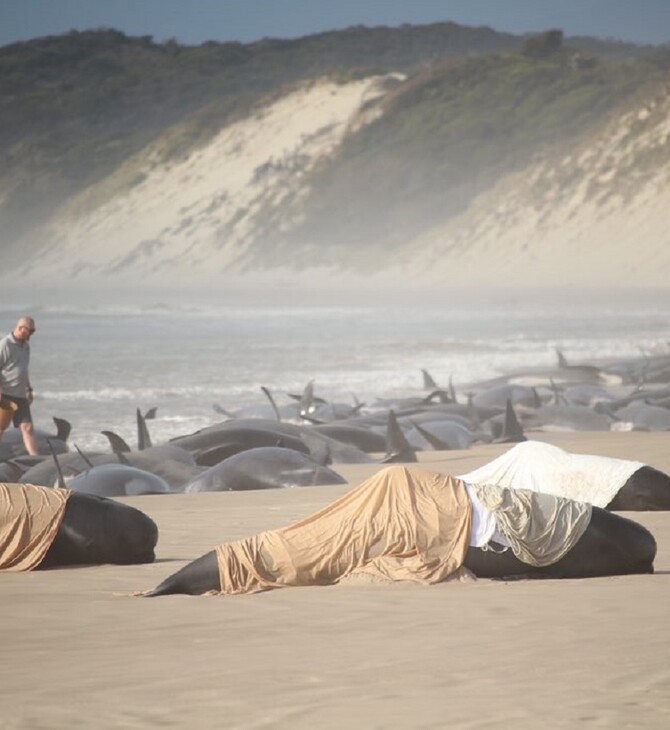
{"x": 323, "y": 289}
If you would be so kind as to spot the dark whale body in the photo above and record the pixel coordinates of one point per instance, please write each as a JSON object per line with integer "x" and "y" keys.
{"x": 118, "y": 480}
{"x": 646, "y": 489}
{"x": 96, "y": 530}
{"x": 266, "y": 467}
{"x": 610, "y": 545}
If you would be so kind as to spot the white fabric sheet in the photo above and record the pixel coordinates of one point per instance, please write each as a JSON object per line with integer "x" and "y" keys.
{"x": 484, "y": 526}
{"x": 544, "y": 468}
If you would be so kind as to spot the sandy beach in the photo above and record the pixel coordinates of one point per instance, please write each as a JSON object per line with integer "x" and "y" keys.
{"x": 80, "y": 651}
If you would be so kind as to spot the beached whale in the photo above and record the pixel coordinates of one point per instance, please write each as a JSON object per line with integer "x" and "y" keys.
{"x": 645, "y": 416}
{"x": 231, "y": 437}
{"x": 209, "y": 445}
{"x": 267, "y": 467}
{"x": 11, "y": 471}
{"x": 46, "y": 472}
{"x": 57, "y": 527}
{"x": 565, "y": 418}
{"x": 361, "y": 438}
{"x": 118, "y": 480}
{"x": 321, "y": 447}
{"x": 406, "y": 523}
{"x": 441, "y": 435}
{"x": 12, "y": 441}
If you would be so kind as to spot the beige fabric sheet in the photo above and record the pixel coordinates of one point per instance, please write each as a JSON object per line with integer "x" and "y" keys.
{"x": 29, "y": 520}
{"x": 401, "y": 524}
{"x": 540, "y": 528}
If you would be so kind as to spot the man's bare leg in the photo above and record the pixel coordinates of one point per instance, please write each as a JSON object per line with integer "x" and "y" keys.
{"x": 29, "y": 439}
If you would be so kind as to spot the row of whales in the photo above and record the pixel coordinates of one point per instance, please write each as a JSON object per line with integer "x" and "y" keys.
{"x": 576, "y": 397}
{"x": 265, "y": 454}
{"x": 96, "y": 529}
{"x": 269, "y": 453}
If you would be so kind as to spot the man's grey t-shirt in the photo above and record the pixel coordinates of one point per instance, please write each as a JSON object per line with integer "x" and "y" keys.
{"x": 14, "y": 359}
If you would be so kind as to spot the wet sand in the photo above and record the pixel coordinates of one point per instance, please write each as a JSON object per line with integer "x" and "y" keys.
{"x": 79, "y": 651}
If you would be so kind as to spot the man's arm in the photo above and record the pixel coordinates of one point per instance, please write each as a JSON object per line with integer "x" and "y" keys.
{"x": 3, "y": 363}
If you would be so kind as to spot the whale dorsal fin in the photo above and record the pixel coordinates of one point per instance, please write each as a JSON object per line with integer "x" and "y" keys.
{"x": 398, "y": 448}
{"x": 272, "y": 402}
{"x": 63, "y": 428}
{"x": 143, "y": 437}
{"x": 59, "y": 471}
{"x": 116, "y": 442}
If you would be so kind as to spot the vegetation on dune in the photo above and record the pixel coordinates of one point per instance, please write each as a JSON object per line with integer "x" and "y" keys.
{"x": 450, "y": 132}
{"x": 101, "y": 81}
{"x": 75, "y": 107}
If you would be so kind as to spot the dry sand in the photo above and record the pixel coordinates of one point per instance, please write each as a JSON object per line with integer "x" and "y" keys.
{"x": 80, "y": 652}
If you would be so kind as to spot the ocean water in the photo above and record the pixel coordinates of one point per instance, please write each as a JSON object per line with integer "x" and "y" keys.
{"x": 96, "y": 367}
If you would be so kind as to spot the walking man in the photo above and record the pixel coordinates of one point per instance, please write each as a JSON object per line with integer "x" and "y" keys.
{"x": 14, "y": 380}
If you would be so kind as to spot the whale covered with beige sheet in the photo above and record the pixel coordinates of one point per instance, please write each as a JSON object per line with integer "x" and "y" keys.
{"x": 401, "y": 524}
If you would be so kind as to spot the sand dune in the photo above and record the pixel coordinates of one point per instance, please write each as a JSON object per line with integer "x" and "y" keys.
{"x": 193, "y": 218}
{"x": 80, "y": 651}
{"x": 592, "y": 215}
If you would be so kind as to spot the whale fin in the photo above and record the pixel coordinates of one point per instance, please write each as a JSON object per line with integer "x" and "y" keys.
{"x": 143, "y": 437}
{"x": 307, "y": 399}
{"x": 63, "y": 428}
{"x": 433, "y": 440}
{"x": 319, "y": 450}
{"x": 512, "y": 431}
{"x": 116, "y": 442}
{"x": 452, "y": 390}
{"x": 84, "y": 457}
{"x": 559, "y": 398}
{"x": 59, "y": 471}
{"x": 440, "y": 394}
{"x": 398, "y": 448}
{"x": 222, "y": 411}
{"x": 272, "y": 402}
{"x": 428, "y": 381}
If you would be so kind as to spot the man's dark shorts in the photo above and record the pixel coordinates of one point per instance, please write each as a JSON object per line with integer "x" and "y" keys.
{"x": 22, "y": 414}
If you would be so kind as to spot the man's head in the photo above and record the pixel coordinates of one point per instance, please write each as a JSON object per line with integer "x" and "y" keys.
{"x": 24, "y": 328}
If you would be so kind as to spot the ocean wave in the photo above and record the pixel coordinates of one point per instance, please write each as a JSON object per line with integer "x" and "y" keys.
{"x": 95, "y": 367}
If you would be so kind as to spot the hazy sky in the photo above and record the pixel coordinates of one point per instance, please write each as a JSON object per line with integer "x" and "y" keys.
{"x": 195, "y": 21}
